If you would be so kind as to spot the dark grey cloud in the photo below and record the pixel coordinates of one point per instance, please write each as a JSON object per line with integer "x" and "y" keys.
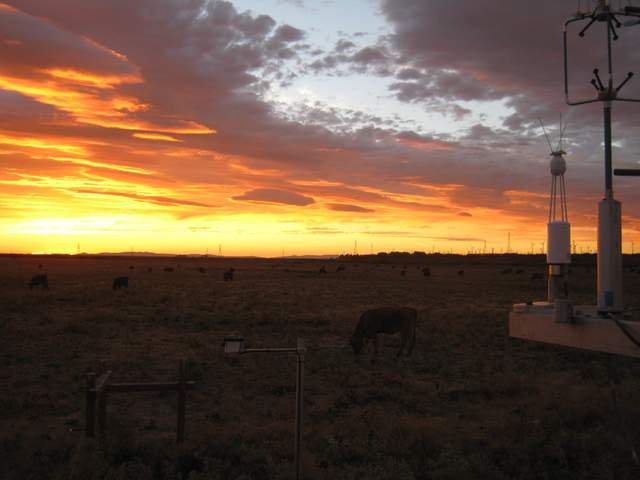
{"x": 269, "y": 195}
{"x": 344, "y": 207}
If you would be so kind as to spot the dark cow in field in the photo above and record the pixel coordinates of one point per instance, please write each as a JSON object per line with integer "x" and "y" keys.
{"x": 461, "y": 273}
{"x": 402, "y": 273}
{"x": 168, "y": 269}
{"x": 536, "y": 276}
{"x": 120, "y": 282}
{"x": 228, "y": 275}
{"x": 202, "y": 270}
{"x": 506, "y": 270}
{"x": 39, "y": 266}
{"x": 39, "y": 281}
{"x": 322, "y": 270}
{"x": 150, "y": 269}
{"x": 386, "y": 320}
{"x": 426, "y": 271}
{"x": 131, "y": 267}
{"x": 341, "y": 268}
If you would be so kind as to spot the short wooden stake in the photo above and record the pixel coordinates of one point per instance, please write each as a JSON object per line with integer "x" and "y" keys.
{"x": 102, "y": 411}
{"x": 91, "y": 406}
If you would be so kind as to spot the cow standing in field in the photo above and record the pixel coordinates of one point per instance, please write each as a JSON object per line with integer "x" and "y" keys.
{"x": 386, "y": 320}
{"x": 402, "y": 273}
{"x": 202, "y": 270}
{"x": 341, "y": 268}
{"x": 227, "y": 276}
{"x": 426, "y": 271}
{"x": 322, "y": 270}
{"x": 168, "y": 269}
{"x": 120, "y": 282}
{"x": 461, "y": 273}
{"x": 39, "y": 281}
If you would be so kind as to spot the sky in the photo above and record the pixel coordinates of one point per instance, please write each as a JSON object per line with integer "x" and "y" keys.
{"x": 263, "y": 127}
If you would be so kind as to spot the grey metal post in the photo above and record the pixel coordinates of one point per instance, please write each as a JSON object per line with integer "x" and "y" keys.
{"x": 300, "y": 350}
{"x": 608, "y": 178}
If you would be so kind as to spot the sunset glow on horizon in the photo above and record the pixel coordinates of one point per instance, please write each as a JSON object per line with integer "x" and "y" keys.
{"x": 178, "y": 127}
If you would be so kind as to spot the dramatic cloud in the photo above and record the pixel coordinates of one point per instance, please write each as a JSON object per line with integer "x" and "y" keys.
{"x": 267, "y": 195}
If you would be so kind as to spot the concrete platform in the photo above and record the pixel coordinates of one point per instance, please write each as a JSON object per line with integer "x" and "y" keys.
{"x": 588, "y": 330}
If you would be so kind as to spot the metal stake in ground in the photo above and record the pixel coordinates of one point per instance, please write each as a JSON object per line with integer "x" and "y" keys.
{"x": 235, "y": 345}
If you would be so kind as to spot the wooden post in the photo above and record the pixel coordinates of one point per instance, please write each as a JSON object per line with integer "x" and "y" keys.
{"x": 182, "y": 403}
{"x": 102, "y": 411}
{"x": 90, "y": 425}
{"x": 102, "y": 397}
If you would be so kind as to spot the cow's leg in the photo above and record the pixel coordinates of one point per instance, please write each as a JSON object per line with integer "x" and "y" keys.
{"x": 403, "y": 342}
{"x": 413, "y": 342}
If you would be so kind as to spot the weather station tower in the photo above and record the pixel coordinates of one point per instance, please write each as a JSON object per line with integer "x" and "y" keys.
{"x": 605, "y": 326}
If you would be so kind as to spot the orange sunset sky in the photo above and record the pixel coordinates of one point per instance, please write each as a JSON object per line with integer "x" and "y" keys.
{"x": 297, "y": 126}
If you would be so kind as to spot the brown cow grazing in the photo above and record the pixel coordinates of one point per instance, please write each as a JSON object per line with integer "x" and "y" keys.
{"x": 322, "y": 270}
{"x": 341, "y": 268}
{"x": 228, "y": 275}
{"x": 426, "y": 271}
{"x": 202, "y": 270}
{"x": 120, "y": 282}
{"x": 168, "y": 269}
{"x": 39, "y": 281}
{"x": 386, "y": 320}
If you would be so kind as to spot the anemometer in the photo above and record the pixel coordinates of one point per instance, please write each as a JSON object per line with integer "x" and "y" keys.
{"x": 604, "y": 326}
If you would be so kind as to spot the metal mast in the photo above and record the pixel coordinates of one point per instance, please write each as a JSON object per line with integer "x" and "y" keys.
{"x": 609, "y": 209}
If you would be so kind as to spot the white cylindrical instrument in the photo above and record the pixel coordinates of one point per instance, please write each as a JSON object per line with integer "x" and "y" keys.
{"x": 558, "y": 243}
{"x": 609, "y": 256}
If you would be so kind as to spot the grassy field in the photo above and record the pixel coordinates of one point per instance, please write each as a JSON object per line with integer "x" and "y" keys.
{"x": 470, "y": 403}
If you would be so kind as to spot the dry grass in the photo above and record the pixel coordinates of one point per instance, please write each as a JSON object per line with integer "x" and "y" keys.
{"x": 470, "y": 403}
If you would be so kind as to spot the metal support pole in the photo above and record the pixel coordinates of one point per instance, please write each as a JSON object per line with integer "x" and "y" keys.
{"x": 608, "y": 179}
{"x": 300, "y": 350}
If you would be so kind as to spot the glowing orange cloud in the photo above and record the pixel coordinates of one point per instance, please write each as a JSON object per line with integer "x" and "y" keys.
{"x": 155, "y": 136}
{"x": 97, "y": 104}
